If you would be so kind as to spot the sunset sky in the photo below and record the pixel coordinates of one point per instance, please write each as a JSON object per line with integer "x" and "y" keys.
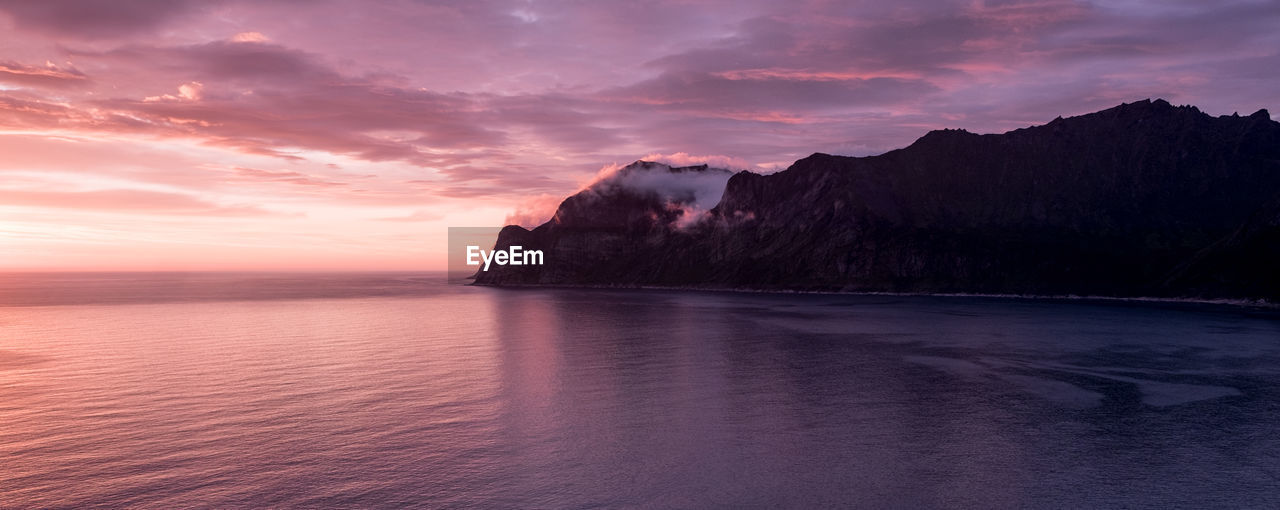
{"x": 175, "y": 135}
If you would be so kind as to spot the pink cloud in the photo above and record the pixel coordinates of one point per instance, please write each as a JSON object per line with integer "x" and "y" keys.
{"x": 250, "y": 37}
{"x": 288, "y": 177}
{"x": 812, "y": 75}
{"x": 49, "y": 75}
{"x": 126, "y": 200}
{"x": 533, "y": 211}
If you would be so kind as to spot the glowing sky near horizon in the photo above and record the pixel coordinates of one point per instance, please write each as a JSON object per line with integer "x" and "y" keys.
{"x": 226, "y": 134}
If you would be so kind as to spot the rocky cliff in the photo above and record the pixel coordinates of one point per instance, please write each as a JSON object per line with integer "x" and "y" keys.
{"x": 1144, "y": 199}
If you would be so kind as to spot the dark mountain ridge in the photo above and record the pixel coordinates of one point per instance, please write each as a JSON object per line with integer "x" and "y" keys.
{"x": 1143, "y": 199}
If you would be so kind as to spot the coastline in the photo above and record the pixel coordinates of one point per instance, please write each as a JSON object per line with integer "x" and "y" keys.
{"x": 1257, "y": 304}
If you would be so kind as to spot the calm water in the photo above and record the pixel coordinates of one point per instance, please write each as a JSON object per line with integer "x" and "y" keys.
{"x": 397, "y": 390}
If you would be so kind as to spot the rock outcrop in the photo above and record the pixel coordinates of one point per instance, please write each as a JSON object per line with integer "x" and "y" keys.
{"x": 1144, "y": 199}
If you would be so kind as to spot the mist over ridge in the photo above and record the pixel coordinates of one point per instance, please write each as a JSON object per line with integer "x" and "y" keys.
{"x": 1143, "y": 199}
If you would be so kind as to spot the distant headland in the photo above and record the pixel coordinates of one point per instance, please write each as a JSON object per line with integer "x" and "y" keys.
{"x": 1143, "y": 199}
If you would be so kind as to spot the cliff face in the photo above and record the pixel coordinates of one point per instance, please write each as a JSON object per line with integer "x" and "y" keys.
{"x": 1144, "y": 199}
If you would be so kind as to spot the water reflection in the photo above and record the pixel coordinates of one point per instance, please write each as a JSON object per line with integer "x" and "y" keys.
{"x": 822, "y": 400}
{"x": 391, "y": 394}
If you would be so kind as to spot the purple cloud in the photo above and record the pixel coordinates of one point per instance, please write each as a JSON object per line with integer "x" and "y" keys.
{"x": 95, "y": 18}
{"x": 509, "y": 99}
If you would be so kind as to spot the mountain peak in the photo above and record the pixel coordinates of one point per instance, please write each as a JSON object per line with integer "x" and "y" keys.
{"x": 944, "y": 137}
{"x": 1144, "y": 108}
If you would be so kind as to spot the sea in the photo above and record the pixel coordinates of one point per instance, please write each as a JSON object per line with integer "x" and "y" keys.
{"x": 399, "y": 390}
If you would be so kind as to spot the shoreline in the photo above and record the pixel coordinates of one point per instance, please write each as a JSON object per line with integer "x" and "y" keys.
{"x": 1232, "y": 302}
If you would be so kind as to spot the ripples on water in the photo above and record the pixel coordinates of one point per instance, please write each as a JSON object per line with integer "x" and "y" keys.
{"x": 171, "y": 390}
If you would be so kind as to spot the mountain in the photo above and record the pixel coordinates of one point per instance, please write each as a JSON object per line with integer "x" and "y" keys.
{"x": 1143, "y": 199}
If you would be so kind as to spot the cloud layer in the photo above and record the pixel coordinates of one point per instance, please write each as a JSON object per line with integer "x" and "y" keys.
{"x": 436, "y": 113}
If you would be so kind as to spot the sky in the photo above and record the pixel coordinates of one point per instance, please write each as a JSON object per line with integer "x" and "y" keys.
{"x": 344, "y": 135}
